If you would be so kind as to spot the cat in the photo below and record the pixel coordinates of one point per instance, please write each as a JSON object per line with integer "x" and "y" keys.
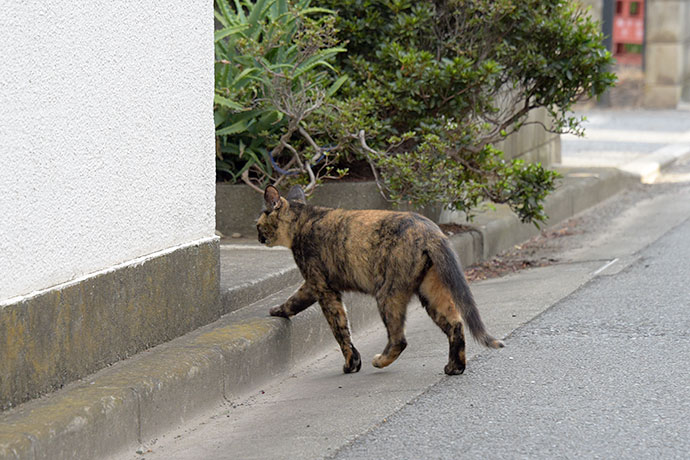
{"x": 387, "y": 254}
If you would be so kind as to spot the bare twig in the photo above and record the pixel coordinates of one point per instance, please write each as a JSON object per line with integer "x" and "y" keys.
{"x": 312, "y": 179}
{"x": 295, "y": 156}
{"x": 368, "y": 150}
{"x": 246, "y": 180}
{"x": 287, "y": 168}
{"x": 311, "y": 142}
{"x": 283, "y": 142}
{"x": 546, "y": 128}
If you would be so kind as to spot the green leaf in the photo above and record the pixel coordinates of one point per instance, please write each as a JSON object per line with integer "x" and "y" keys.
{"x": 319, "y": 59}
{"x": 218, "y": 118}
{"x": 267, "y": 119}
{"x": 235, "y": 128}
{"x": 315, "y": 10}
{"x": 336, "y": 85}
{"x": 257, "y": 11}
{"x": 225, "y": 102}
{"x": 224, "y": 15}
{"x": 238, "y": 9}
{"x": 281, "y": 7}
{"x": 230, "y": 30}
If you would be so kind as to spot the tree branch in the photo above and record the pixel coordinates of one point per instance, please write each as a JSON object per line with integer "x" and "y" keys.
{"x": 368, "y": 150}
{"x": 246, "y": 180}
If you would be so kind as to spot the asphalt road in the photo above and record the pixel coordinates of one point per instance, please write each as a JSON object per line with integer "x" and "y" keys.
{"x": 602, "y": 374}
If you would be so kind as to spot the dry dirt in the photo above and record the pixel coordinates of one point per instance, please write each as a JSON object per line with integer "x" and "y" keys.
{"x": 536, "y": 252}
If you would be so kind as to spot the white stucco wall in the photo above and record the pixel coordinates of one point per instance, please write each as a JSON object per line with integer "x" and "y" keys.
{"x": 106, "y": 135}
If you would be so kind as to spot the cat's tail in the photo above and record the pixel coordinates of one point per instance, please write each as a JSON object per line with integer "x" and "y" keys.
{"x": 450, "y": 271}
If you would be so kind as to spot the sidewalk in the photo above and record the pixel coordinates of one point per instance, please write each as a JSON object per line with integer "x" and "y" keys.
{"x": 136, "y": 400}
{"x": 639, "y": 142}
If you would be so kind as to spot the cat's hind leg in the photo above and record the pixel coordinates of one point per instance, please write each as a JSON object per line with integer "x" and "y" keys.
{"x": 437, "y": 301}
{"x": 336, "y": 315}
{"x": 393, "y": 310}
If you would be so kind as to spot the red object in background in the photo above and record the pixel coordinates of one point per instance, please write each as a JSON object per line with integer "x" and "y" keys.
{"x": 628, "y": 29}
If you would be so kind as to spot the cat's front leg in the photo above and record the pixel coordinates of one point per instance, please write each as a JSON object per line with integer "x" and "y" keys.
{"x": 336, "y": 315}
{"x": 297, "y": 302}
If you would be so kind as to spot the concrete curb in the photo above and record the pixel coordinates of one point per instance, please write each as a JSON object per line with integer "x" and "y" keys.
{"x": 500, "y": 229}
{"x": 134, "y": 401}
{"x": 649, "y": 167}
{"x": 246, "y": 286}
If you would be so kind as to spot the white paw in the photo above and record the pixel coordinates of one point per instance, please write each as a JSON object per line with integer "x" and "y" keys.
{"x": 377, "y": 361}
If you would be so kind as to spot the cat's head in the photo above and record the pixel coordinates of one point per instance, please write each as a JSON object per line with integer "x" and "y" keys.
{"x": 277, "y": 218}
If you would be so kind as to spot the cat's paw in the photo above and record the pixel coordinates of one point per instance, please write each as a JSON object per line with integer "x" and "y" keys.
{"x": 354, "y": 364}
{"x": 278, "y": 311}
{"x": 379, "y": 361}
{"x": 454, "y": 368}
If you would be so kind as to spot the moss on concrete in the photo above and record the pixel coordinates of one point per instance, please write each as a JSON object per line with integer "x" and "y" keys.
{"x": 61, "y": 335}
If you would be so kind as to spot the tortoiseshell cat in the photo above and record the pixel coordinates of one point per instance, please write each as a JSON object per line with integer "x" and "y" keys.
{"x": 390, "y": 255}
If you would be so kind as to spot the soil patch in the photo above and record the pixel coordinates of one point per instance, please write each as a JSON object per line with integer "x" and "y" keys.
{"x": 535, "y": 252}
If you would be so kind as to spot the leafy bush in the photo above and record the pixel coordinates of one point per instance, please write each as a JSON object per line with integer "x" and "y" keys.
{"x": 431, "y": 87}
{"x": 272, "y": 64}
{"x": 451, "y": 78}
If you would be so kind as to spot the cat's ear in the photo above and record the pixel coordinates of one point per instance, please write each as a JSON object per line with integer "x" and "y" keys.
{"x": 272, "y": 198}
{"x": 297, "y": 194}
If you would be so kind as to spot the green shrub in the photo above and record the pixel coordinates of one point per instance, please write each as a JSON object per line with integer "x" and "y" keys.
{"x": 452, "y": 78}
{"x": 272, "y": 73}
{"x": 431, "y": 87}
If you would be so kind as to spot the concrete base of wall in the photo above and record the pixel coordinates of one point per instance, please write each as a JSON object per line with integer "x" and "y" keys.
{"x": 533, "y": 143}
{"x": 60, "y": 335}
{"x": 661, "y": 97}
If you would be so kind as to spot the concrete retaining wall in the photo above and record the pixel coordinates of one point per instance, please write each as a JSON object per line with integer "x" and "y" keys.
{"x": 533, "y": 143}
{"x": 65, "y": 333}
